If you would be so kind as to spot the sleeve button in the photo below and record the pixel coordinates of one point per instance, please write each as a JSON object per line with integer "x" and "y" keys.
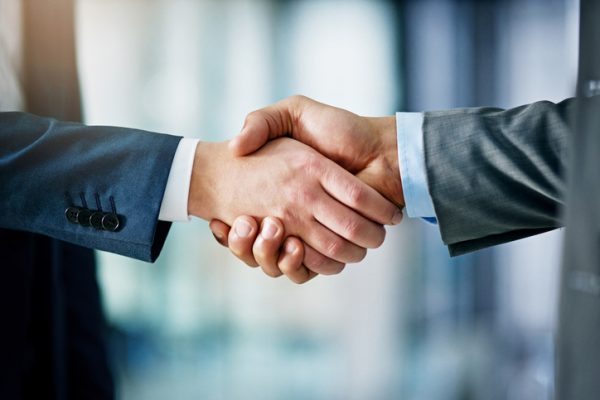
{"x": 96, "y": 220}
{"x": 72, "y": 214}
{"x": 110, "y": 222}
{"x": 84, "y": 217}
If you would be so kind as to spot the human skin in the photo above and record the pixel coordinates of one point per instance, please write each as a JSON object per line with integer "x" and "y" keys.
{"x": 365, "y": 146}
{"x": 331, "y": 211}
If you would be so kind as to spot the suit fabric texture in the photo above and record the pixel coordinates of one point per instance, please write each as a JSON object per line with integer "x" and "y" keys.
{"x": 500, "y": 175}
{"x": 48, "y": 166}
{"x": 52, "y": 336}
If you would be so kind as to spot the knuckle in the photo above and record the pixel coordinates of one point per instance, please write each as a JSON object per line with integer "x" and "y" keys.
{"x": 261, "y": 252}
{"x": 237, "y": 251}
{"x": 259, "y": 255}
{"x": 299, "y": 280}
{"x": 356, "y": 194}
{"x": 294, "y": 271}
{"x": 249, "y": 261}
{"x": 311, "y": 164}
{"x": 305, "y": 195}
{"x": 273, "y": 273}
{"x": 286, "y": 268}
{"x": 334, "y": 248}
{"x": 289, "y": 264}
{"x": 353, "y": 228}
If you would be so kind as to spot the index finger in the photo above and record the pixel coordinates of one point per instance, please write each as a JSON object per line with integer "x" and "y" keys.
{"x": 359, "y": 196}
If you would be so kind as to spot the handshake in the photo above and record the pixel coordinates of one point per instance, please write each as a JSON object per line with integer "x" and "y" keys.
{"x": 311, "y": 193}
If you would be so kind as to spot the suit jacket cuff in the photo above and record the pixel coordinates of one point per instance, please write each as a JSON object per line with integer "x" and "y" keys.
{"x": 51, "y": 169}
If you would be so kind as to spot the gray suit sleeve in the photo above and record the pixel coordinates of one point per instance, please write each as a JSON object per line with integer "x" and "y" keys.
{"x": 497, "y": 175}
{"x": 47, "y": 166}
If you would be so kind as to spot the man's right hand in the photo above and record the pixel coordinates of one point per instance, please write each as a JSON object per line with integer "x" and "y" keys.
{"x": 365, "y": 146}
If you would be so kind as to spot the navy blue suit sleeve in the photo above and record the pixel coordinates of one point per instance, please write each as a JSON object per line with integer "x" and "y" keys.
{"x": 47, "y": 166}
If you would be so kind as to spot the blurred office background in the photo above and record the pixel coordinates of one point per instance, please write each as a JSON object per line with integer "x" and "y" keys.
{"x": 406, "y": 323}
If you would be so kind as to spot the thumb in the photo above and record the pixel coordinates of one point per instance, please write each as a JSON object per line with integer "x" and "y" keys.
{"x": 253, "y": 136}
{"x": 261, "y": 126}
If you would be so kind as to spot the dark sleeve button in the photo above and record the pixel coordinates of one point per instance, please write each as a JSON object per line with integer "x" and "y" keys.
{"x": 72, "y": 213}
{"x": 110, "y": 222}
{"x": 96, "y": 219}
{"x": 84, "y": 217}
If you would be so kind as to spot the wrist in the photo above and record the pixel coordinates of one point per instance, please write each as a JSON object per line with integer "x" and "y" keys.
{"x": 384, "y": 129}
{"x": 208, "y": 161}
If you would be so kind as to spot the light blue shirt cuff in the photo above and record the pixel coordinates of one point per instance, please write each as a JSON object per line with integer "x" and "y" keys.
{"x": 411, "y": 160}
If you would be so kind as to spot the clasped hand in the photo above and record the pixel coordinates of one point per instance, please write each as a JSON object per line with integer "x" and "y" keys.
{"x": 320, "y": 181}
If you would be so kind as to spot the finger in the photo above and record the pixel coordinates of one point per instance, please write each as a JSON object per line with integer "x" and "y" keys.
{"x": 290, "y": 261}
{"x": 318, "y": 263}
{"x": 332, "y": 245}
{"x": 241, "y": 238}
{"x": 267, "y": 244}
{"x": 220, "y": 231}
{"x": 262, "y": 125}
{"x": 359, "y": 196}
{"x": 349, "y": 224}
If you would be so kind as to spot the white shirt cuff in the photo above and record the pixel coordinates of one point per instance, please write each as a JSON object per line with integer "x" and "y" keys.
{"x": 174, "y": 206}
{"x": 411, "y": 159}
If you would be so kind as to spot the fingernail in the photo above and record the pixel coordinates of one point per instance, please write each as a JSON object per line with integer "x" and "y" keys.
{"x": 269, "y": 229}
{"x": 242, "y": 228}
{"x": 397, "y": 218}
{"x": 290, "y": 247}
{"x": 218, "y": 237}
